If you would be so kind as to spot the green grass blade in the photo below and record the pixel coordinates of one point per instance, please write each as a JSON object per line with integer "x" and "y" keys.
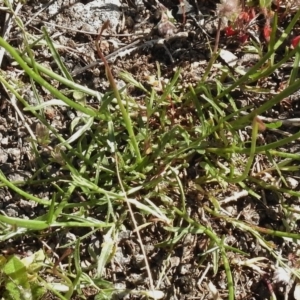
{"x": 56, "y": 55}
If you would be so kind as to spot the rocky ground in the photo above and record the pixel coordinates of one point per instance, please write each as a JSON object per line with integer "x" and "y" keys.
{"x": 142, "y": 41}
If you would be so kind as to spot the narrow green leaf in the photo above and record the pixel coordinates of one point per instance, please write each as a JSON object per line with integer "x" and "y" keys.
{"x": 273, "y": 125}
{"x": 29, "y": 224}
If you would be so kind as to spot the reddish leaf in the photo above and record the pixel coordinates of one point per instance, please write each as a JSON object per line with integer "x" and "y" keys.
{"x": 252, "y": 14}
{"x": 244, "y": 16}
{"x": 243, "y": 38}
{"x": 229, "y": 31}
{"x": 267, "y": 32}
{"x": 295, "y": 41}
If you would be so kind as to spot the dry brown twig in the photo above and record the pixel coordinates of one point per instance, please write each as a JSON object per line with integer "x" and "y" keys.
{"x": 114, "y": 87}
